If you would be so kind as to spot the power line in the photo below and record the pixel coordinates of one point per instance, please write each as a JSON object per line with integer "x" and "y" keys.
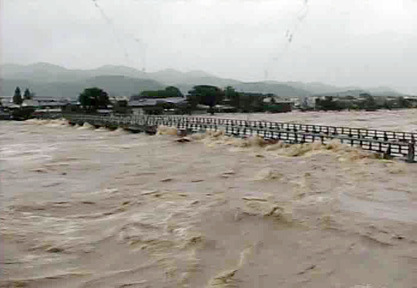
{"x": 111, "y": 24}
{"x": 289, "y": 36}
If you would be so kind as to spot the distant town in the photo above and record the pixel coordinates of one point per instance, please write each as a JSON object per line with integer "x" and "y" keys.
{"x": 201, "y": 99}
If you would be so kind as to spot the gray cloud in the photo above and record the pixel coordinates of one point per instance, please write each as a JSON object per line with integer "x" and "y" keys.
{"x": 358, "y": 42}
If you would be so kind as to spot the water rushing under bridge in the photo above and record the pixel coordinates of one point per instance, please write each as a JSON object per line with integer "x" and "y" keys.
{"x": 390, "y": 143}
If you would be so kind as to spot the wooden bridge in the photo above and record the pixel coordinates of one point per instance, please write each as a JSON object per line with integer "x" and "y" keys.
{"x": 390, "y": 143}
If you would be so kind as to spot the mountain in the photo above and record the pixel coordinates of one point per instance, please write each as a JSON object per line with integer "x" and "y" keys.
{"x": 277, "y": 88}
{"x": 185, "y": 81}
{"x": 314, "y": 87}
{"x": 45, "y": 72}
{"x": 52, "y": 80}
{"x": 122, "y": 85}
{"x": 114, "y": 85}
{"x": 352, "y": 91}
{"x": 384, "y": 91}
{"x": 342, "y": 93}
{"x": 40, "y": 72}
{"x": 317, "y": 88}
{"x": 116, "y": 71}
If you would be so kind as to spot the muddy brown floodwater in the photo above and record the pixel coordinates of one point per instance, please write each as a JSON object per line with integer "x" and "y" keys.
{"x": 85, "y": 207}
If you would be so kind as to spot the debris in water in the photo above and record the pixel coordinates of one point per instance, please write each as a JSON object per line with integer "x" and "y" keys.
{"x": 149, "y": 192}
{"x": 311, "y": 267}
{"x": 183, "y": 140}
{"x": 223, "y": 280}
{"x": 88, "y": 202}
{"x": 39, "y": 170}
{"x": 55, "y": 250}
{"x": 254, "y": 199}
{"x": 227, "y": 174}
{"x": 268, "y": 174}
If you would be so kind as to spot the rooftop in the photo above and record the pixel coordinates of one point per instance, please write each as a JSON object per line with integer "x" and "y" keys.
{"x": 153, "y": 101}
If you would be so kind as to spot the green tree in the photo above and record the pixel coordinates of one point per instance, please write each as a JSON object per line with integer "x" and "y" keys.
{"x": 369, "y": 103}
{"x": 172, "y": 91}
{"x": 251, "y": 102}
{"x": 168, "y": 92}
{"x": 150, "y": 94}
{"x": 328, "y": 103}
{"x": 403, "y": 103}
{"x": 27, "y": 95}
{"x": 232, "y": 96}
{"x": 17, "y": 97}
{"x": 229, "y": 92}
{"x": 85, "y": 100}
{"x": 94, "y": 98}
{"x": 192, "y": 103}
{"x": 23, "y": 113}
{"x": 387, "y": 105}
{"x": 121, "y": 107}
{"x": 207, "y": 95}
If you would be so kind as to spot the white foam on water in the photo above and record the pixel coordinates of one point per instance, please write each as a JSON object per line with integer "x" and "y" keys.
{"x": 22, "y": 154}
{"x": 167, "y": 130}
{"x": 86, "y": 126}
{"x": 139, "y": 199}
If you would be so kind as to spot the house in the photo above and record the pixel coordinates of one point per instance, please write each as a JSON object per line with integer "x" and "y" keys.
{"x": 277, "y": 104}
{"x": 155, "y": 105}
{"x": 49, "y": 102}
{"x": 412, "y": 101}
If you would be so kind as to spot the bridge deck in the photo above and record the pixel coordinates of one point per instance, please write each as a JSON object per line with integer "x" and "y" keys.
{"x": 399, "y": 144}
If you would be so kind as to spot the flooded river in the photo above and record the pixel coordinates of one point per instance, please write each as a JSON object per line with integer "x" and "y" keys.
{"x": 85, "y": 207}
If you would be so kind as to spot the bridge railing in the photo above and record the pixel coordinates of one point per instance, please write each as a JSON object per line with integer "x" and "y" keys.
{"x": 47, "y": 115}
{"x": 287, "y": 132}
{"x": 375, "y": 134}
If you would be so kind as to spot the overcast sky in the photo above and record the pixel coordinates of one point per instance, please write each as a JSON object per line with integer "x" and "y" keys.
{"x": 354, "y": 42}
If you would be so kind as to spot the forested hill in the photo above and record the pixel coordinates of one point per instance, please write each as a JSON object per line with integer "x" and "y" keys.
{"x": 55, "y": 81}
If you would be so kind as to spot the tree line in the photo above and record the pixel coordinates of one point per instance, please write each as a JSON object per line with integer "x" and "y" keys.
{"x": 364, "y": 102}
{"x": 198, "y": 97}
{"x": 238, "y": 101}
{"x": 17, "y": 96}
{"x": 168, "y": 92}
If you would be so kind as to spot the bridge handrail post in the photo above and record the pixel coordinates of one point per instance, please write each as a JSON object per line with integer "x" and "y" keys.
{"x": 411, "y": 152}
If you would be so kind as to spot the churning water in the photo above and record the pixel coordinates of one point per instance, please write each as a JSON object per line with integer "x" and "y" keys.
{"x": 86, "y": 207}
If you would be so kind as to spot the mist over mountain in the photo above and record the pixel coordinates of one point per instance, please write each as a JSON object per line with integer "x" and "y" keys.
{"x": 55, "y": 81}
